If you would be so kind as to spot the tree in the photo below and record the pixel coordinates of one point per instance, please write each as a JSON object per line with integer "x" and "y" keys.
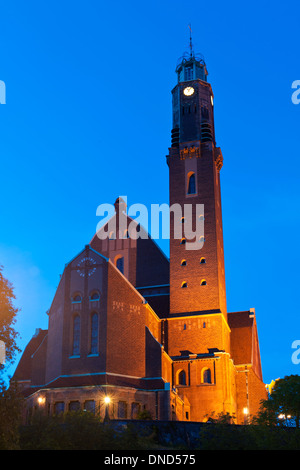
{"x": 11, "y": 408}
{"x": 8, "y": 314}
{"x": 283, "y": 405}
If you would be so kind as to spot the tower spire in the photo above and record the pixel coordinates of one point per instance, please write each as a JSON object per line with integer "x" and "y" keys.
{"x": 191, "y": 43}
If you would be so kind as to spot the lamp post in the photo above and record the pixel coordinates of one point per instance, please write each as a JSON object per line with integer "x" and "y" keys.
{"x": 107, "y": 402}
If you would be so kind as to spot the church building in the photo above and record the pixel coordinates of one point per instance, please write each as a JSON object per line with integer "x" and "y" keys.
{"x": 132, "y": 332}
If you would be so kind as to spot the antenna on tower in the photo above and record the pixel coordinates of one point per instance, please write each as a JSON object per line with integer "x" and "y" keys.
{"x": 191, "y": 44}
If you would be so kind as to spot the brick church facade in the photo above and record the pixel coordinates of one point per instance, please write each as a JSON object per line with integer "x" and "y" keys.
{"x": 153, "y": 333}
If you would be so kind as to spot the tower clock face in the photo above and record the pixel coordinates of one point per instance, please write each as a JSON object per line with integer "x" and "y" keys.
{"x": 189, "y": 91}
{"x": 86, "y": 266}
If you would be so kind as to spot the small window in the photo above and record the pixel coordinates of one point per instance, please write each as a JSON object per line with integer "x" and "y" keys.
{"x": 135, "y": 410}
{"x": 183, "y": 262}
{"x": 59, "y": 407}
{"x": 184, "y": 285}
{"x": 183, "y": 241}
{"x": 74, "y": 406}
{"x": 181, "y": 378}
{"x": 207, "y": 376}
{"x": 76, "y": 298}
{"x": 202, "y": 260}
{"x": 95, "y": 296}
{"x": 90, "y": 406}
{"x": 203, "y": 282}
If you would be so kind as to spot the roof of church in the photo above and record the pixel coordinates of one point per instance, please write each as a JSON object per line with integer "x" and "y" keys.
{"x": 96, "y": 380}
{"x": 23, "y": 370}
{"x": 244, "y": 339}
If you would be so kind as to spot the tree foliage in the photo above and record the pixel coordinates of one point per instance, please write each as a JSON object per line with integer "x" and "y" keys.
{"x": 80, "y": 430}
{"x": 8, "y": 314}
{"x": 283, "y": 404}
{"x": 11, "y": 409}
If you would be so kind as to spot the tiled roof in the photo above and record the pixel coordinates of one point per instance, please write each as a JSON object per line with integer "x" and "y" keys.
{"x": 23, "y": 370}
{"x": 94, "y": 380}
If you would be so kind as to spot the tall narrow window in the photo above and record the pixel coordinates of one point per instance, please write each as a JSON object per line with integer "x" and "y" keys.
{"x": 94, "y": 333}
{"x": 120, "y": 264}
{"x": 122, "y": 409}
{"x": 191, "y": 183}
{"x": 76, "y": 336}
{"x": 188, "y": 72}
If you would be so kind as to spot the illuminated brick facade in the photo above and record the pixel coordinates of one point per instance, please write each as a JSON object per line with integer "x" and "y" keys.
{"x": 153, "y": 333}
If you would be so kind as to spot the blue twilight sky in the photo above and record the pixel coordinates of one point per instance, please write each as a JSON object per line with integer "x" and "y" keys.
{"x": 88, "y": 118}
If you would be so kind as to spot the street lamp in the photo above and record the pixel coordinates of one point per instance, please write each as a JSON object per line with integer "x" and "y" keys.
{"x": 246, "y": 415}
{"x": 41, "y": 400}
{"x": 107, "y": 402}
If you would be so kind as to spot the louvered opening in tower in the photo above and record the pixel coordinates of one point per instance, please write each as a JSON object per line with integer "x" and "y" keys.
{"x": 206, "y": 132}
{"x": 175, "y": 137}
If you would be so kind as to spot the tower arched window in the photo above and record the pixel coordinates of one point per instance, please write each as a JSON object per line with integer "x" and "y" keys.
{"x": 206, "y": 376}
{"x": 119, "y": 262}
{"x": 95, "y": 296}
{"x": 181, "y": 378}
{"x": 94, "y": 332}
{"x": 76, "y": 336}
{"x": 191, "y": 183}
{"x": 203, "y": 282}
{"x": 76, "y": 298}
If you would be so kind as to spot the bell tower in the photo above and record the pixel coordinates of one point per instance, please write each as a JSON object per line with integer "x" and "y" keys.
{"x": 197, "y": 278}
